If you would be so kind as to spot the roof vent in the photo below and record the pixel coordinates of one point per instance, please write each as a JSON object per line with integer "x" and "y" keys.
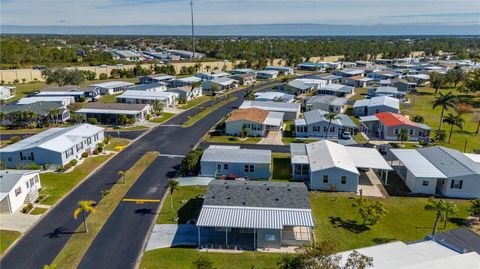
{"x": 276, "y": 199}
{"x": 268, "y": 189}
{"x": 247, "y": 188}
{"x": 227, "y": 187}
{"x": 228, "y": 198}
{"x": 243, "y": 203}
{"x": 288, "y": 189}
{"x": 213, "y": 197}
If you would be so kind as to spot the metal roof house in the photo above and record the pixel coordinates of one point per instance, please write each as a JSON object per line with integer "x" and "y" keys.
{"x": 368, "y": 107}
{"x": 255, "y": 215}
{"x": 257, "y": 122}
{"x": 337, "y": 90}
{"x": 437, "y": 170}
{"x": 41, "y": 109}
{"x": 222, "y": 83}
{"x": 304, "y": 85}
{"x": 64, "y": 100}
{"x": 237, "y": 162}
{"x": 291, "y": 110}
{"x": 156, "y": 78}
{"x": 18, "y": 187}
{"x": 147, "y": 97}
{"x": 186, "y": 81}
{"x": 386, "y": 91}
{"x": 267, "y": 74}
{"x": 111, "y": 87}
{"x": 55, "y": 146}
{"x": 315, "y": 125}
{"x": 325, "y": 165}
{"x": 150, "y": 87}
{"x": 274, "y": 97}
{"x": 7, "y": 92}
{"x": 109, "y": 113}
{"x": 326, "y": 102}
{"x": 284, "y": 70}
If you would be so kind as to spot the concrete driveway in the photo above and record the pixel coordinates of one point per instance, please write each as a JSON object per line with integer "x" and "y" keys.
{"x": 17, "y": 221}
{"x": 273, "y": 138}
{"x": 170, "y": 235}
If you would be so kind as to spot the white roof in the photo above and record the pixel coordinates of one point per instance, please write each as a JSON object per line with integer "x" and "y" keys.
{"x": 417, "y": 164}
{"x": 398, "y": 255}
{"x": 108, "y": 111}
{"x": 147, "y": 95}
{"x": 378, "y": 101}
{"x": 274, "y": 118}
{"x": 9, "y": 178}
{"x": 112, "y": 84}
{"x": 368, "y": 158}
{"x": 270, "y": 72}
{"x": 191, "y": 79}
{"x": 254, "y": 217}
{"x": 268, "y": 95}
{"x": 55, "y": 93}
{"x": 271, "y": 106}
{"x": 236, "y": 155}
{"x": 55, "y": 139}
{"x": 473, "y": 157}
{"x": 127, "y": 53}
{"x": 420, "y": 76}
{"x": 326, "y": 154}
{"x": 369, "y": 118}
{"x": 337, "y": 87}
{"x": 34, "y": 99}
{"x": 224, "y": 81}
{"x": 161, "y": 76}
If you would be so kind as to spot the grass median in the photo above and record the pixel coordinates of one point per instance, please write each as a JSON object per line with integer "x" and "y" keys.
{"x": 195, "y": 102}
{"x": 7, "y": 238}
{"x": 163, "y": 118}
{"x": 187, "y": 203}
{"x": 76, "y": 247}
{"x": 56, "y": 185}
{"x": 117, "y": 144}
{"x": 207, "y": 110}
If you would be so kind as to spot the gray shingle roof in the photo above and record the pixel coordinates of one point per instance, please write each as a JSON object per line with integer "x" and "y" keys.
{"x": 257, "y": 194}
{"x": 144, "y": 87}
{"x": 450, "y": 162}
{"x": 236, "y": 155}
{"x": 39, "y": 108}
{"x": 328, "y": 99}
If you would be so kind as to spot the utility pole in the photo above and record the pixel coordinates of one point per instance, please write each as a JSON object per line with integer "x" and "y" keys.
{"x": 193, "y": 30}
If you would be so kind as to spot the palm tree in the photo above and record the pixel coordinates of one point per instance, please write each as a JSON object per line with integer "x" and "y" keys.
{"x": 84, "y": 206}
{"x": 445, "y": 101}
{"x": 440, "y": 136}
{"x": 157, "y": 107}
{"x": 123, "y": 175}
{"x": 442, "y": 209}
{"x": 330, "y": 116}
{"x": 402, "y": 135}
{"x": 453, "y": 120}
{"x": 437, "y": 81}
{"x": 3, "y": 116}
{"x": 53, "y": 114}
{"x": 249, "y": 95}
{"x": 172, "y": 186}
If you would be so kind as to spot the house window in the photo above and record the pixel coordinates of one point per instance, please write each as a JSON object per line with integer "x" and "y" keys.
{"x": 219, "y": 167}
{"x": 316, "y": 128}
{"x": 325, "y": 179}
{"x": 456, "y": 184}
{"x": 225, "y": 167}
{"x": 36, "y": 179}
{"x": 26, "y": 184}
{"x": 18, "y": 191}
{"x": 425, "y": 183}
{"x": 396, "y": 131}
{"x": 298, "y": 169}
{"x": 412, "y": 132}
{"x": 249, "y": 168}
{"x": 305, "y": 170}
{"x": 344, "y": 179}
{"x": 269, "y": 237}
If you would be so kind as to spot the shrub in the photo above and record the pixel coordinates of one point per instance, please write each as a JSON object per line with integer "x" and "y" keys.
{"x": 92, "y": 121}
{"x": 103, "y": 76}
{"x": 67, "y": 166}
{"x": 234, "y": 138}
{"x": 59, "y": 169}
{"x": 27, "y": 208}
{"x": 73, "y": 162}
{"x": 15, "y": 139}
{"x": 100, "y": 147}
{"x": 96, "y": 152}
{"x": 85, "y": 154}
{"x": 33, "y": 166}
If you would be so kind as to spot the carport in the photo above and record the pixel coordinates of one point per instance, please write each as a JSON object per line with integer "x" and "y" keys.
{"x": 368, "y": 158}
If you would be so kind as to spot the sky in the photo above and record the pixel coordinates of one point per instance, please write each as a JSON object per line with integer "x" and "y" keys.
{"x": 234, "y": 12}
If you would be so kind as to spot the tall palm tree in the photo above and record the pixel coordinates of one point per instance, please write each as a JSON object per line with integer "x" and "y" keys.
{"x": 330, "y": 117}
{"x": 441, "y": 208}
{"x": 84, "y": 207}
{"x": 157, "y": 107}
{"x": 3, "y": 116}
{"x": 173, "y": 186}
{"x": 402, "y": 135}
{"x": 437, "y": 81}
{"x": 53, "y": 114}
{"x": 445, "y": 101}
{"x": 123, "y": 175}
{"x": 453, "y": 120}
{"x": 440, "y": 136}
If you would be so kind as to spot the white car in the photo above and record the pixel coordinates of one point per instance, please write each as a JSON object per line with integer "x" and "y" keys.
{"x": 346, "y": 135}
{"x": 103, "y": 65}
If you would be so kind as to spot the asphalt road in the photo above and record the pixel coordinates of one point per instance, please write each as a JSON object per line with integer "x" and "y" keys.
{"x": 120, "y": 242}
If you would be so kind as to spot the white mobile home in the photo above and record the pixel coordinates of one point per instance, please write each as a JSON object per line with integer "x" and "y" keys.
{"x": 291, "y": 110}
{"x": 143, "y": 97}
{"x": 111, "y": 87}
{"x": 367, "y": 107}
{"x": 18, "y": 187}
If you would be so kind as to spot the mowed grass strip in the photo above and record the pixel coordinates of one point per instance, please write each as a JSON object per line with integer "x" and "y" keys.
{"x": 116, "y": 143}
{"x": 207, "y": 110}
{"x": 7, "y": 238}
{"x": 56, "y": 185}
{"x": 186, "y": 205}
{"x": 163, "y": 118}
{"x": 78, "y": 244}
{"x": 195, "y": 102}
{"x": 183, "y": 258}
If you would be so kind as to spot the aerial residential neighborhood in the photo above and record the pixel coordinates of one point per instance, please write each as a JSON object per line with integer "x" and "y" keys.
{"x": 226, "y": 135}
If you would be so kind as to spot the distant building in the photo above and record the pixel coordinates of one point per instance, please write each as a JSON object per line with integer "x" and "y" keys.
{"x": 156, "y": 78}
{"x": 128, "y": 56}
{"x": 109, "y": 113}
{"x": 64, "y": 100}
{"x": 144, "y": 97}
{"x": 233, "y": 161}
{"x": 212, "y": 75}
{"x": 315, "y": 125}
{"x": 386, "y": 91}
{"x": 267, "y": 74}
{"x": 304, "y": 85}
{"x": 186, "y": 81}
{"x": 55, "y": 146}
{"x": 274, "y": 97}
{"x": 357, "y": 81}
{"x": 282, "y": 70}
{"x": 349, "y": 73}
{"x": 150, "y": 87}
{"x": 187, "y": 93}
{"x": 246, "y": 78}
{"x": 6, "y": 92}
{"x": 111, "y": 87}
{"x": 238, "y": 71}
{"x": 223, "y": 83}
{"x": 256, "y": 122}
{"x": 185, "y": 54}
{"x": 337, "y": 90}
{"x": 18, "y": 187}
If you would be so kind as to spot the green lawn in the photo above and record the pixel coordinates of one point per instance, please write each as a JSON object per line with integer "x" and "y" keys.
{"x": 111, "y": 98}
{"x": 186, "y": 205}
{"x": 360, "y": 93}
{"x": 22, "y": 131}
{"x": 281, "y": 167}
{"x": 117, "y": 142}
{"x": 288, "y": 129}
{"x": 336, "y": 219}
{"x": 360, "y": 139}
{"x": 232, "y": 139}
{"x": 7, "y": 238}
{"x": 182, "y": 258}
{"x": 195, "y": 102}
{"x": 421, "y": 104}
{"x": 163, "y": 118}
{"x": 289, "y": 140}
{"x": 130, "y": 128}
{"x": 207, "y": 110}
{"x": 56, "y": 185}
{"x": 38, "y": 211}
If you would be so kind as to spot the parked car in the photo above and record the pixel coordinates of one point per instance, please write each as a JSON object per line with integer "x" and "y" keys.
{"x": 346, "y": 135}
{"x": 103, "y": 65}
{"x": 382, "y": 149}
{"x": 119, "y": 65}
